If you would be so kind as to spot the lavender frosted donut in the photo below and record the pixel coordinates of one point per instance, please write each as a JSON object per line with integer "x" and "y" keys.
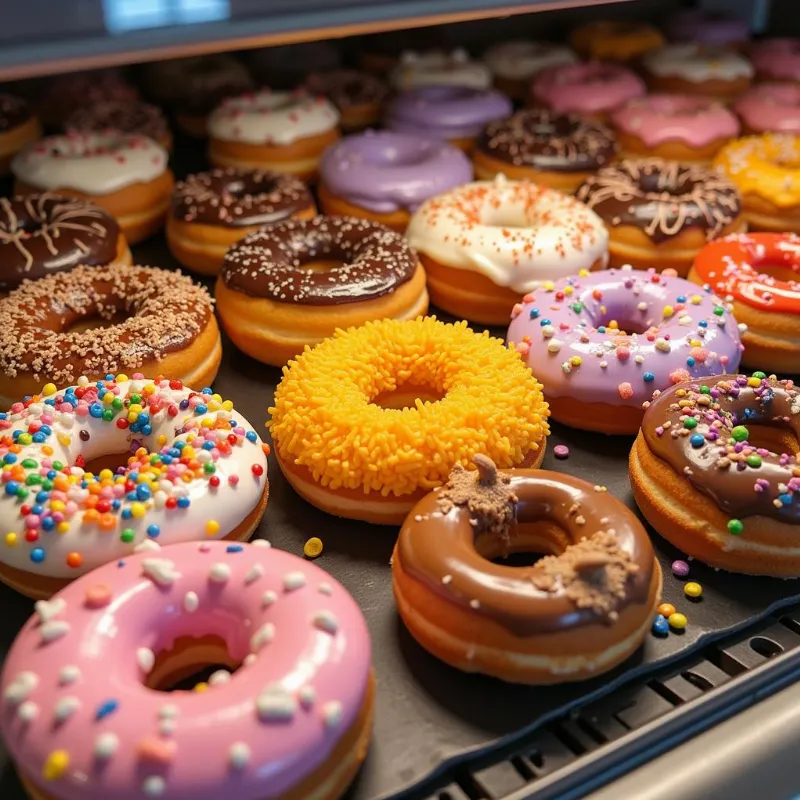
{"x": 387, "y": 176}
{"x": 603, "y": 342}
{"x": 706, "y": 27}
{"x": 455, "y": 113}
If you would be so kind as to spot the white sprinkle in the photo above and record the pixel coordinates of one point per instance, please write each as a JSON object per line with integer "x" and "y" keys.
{"x": 160, "y": 570}
{"x": 105, "y": 745}
{"x": 293, "y": 580}
{"x": 166, "y": 727}
{"x": 147, "y": 546}
{"x": 548, "y": 331}
{"x": 253, "y": 574}
{"x": 21, "y": 687}
{"x": 260, "y": 543}
{"x": 146, "y": 659}
{"x": 49, "y": 609}
{"x": 249, "y": 659}
{"x": 28, "y": 711}
{"x": 446, "y": 579}
{"x": 68, "y": 675}
{"x": 160, "y": 499}
{"x": 642, "y": 306}
{"x": 53, "y": 630}
{"x": 326, "y": 621}
{"x": 307, "y": 695}
{"x": 268, "y": 598}
{"x": 219, "y": 677}
{"x": 190, "y": 602}
{"x": 239, "y": 755}
{"x": 168, "y": 711}
{"x": 663, "y": 345}
{"x": 332, "y": 713}
{"x": 475, "y": 603}
{"x": 154, "y": 786}
{"x": 219, "y": 572}
{"x": 66, "y": 707}
{"x": 275, "y": 703}
{"x": 264, "y": 635}
{"x": 326, "y": 588}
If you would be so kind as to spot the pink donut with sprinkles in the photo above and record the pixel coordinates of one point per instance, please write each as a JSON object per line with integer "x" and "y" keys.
{"x": 85, "y": 711}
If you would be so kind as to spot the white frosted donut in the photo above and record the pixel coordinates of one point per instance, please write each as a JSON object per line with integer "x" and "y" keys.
{"x": 92, "y": 163}
{"x": 695, "y": 63}
{"x": 195, "y": 469}
{"x": 440, "y": 69}
{"x": 268, "y": 117}
{"x": 516, "y": 233}
{"x": 524, "y": 59}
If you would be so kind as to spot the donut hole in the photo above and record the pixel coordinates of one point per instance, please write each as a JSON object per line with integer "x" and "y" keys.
{"x": 775, "y": 438}
{"x": 95, "y": 322}
{"x": 629, "y": 326}
{"x": 406, "y": 396}
{"x": 190, "y": 662}
{"x": 324, "y": 264}
{"x": 530, "y": 541}
{"x": 112, "y": 461}
{"x": 242, "y": 187}
{"x": 780, "y": 272}
{"x": 511, "y": 217}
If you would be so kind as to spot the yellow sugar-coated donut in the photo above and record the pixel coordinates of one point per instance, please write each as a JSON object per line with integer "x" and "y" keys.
{"x": 371, "y": 419}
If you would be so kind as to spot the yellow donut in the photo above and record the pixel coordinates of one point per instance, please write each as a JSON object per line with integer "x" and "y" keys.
{"x": 368, "y": 421}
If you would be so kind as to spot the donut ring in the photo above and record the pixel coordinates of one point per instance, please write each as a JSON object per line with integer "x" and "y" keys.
{"x": 294, "y": 721}
{"x": 268, "y": 285}
{"x": 42, "y": 234}
{"x": 189, "y": 449}
{"x": 573, "y": 615}
{"x": 169, "y": 328}
{"x": 706, "y": 487}
{"x": 767, "y": 305}
{"x": 371, "y": 419}
{"x": 572, "y": 334}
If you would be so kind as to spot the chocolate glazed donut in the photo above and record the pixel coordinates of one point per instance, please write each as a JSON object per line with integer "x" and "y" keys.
{"x": 571, "y": 615}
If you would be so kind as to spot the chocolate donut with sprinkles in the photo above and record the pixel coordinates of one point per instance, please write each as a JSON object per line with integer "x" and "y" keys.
{"x": 138, "y": 118}
{"x": 661, "y": 213}
{"x": 18, "y": 128}
{"x": 86, "y": 714}
{"x": 215, "y": 209}
{"x": 43, "y": 234}
{"x": 716, "y": 470}
{"x": 602, "y": 342}
{"x": 348, "y": 271}
{"x": 156, "y": 322}
{"x": 194, "y": 469}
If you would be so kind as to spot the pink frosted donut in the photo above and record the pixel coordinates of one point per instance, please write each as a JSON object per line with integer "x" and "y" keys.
{"x": 646, "y": 123}
{"x": 770, "y": 108}
{"x": 82, "y": 722}
{"x": 594, "y": 88}
{"x": 777, "y": 59}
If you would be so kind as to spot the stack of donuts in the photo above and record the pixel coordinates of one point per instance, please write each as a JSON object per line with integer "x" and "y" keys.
{"x": 623, "y": 209}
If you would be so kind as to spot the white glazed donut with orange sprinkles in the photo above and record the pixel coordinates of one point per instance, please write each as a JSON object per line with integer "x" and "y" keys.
{"x": 486, "y": 244}
{"x": 195, "y": 469}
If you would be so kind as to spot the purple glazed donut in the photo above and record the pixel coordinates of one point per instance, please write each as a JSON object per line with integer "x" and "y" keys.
{"x": 717, "y": 30}
{"x": 603, "y": 342}
{"x": 385, "y": 172}
{"x": 453, "y": 113}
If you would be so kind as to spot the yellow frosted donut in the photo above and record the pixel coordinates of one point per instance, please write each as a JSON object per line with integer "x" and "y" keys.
{"x": 368, "y": 421}
{"x": 766, "y": 171}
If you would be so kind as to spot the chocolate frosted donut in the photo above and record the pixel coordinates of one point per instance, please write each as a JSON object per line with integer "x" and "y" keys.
{"x": 129, "y": 117}
{"x": 14, "y": 111}
{"x": 272, "y": 263}
{"x": 18, "y": 128}
{"x": 357, "y": 95}
{"x": 662, "y": 198}
{"x": 42, "y": 234}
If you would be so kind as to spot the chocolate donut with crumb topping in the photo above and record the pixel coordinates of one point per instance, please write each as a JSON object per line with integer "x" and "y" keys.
{"x": 213, "y": 210}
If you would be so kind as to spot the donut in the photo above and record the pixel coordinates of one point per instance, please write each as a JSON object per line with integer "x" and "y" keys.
{"x": 88, "y": 722}
{"x": 152, "y": 321}
{"x": 614, "y": 40}
{"x": 485, "y": 244}
{"x": 293, "y": 284}
{"x": 141, "y": 119}
{"x": 660, "y": 213}
{"x": 43, "y": 233}
{"x": 691, "y": 68}
{"x": 776, "y": 59}
{"x": 766, "y": 171}
{"x": 456, "y": 114}
{"x": 770, "y": 108}
{"x": 125, "y": 174}
{"x": 714, "y": 470}
{"x": 437, "y": 67}
{"x": 186, "y": 457}
{"x": 379, "y": 53}
{"x": 706, "y": 27}
{"x": 279, "y": 131}
{"x": 286, "y": 66}
{"x": 18, "y": 128}
{"x": 358, "y": 96}
{"x": 385, "y": 176}
{"x": 602, "y": 342}
{"x": 673, "y": 126}
{"x": 591, "y": 90}
{"x": 374, "y": 417}
{"x": 513, "y": 64}
{"x": 759, "y": 272}
{"x": 556, "y": 150}
{"x": 574, "y": 614}
{"x": 212, "y": 210}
